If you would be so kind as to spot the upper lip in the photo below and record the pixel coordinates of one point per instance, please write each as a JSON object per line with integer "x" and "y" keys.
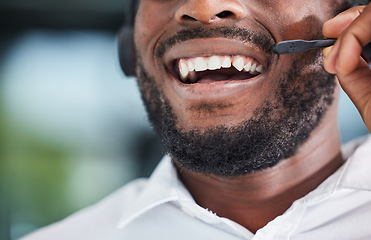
{"x": 206, "y": 47}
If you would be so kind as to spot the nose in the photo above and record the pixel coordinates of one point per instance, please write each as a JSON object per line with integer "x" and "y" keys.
{"x": 209, "y": 11}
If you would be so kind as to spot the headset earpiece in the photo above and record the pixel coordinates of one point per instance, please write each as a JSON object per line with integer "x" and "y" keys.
{"x": 126, "y": 41}
{"x": 126, "y": 50}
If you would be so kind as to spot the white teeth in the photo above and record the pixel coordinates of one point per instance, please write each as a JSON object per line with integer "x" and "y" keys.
{"x": 191, "y": 66}
{"x": 183, "y": 70}
{"x": 227, "y": 63}
{"x": 247, "y": 67}
{"x": 188, "y": 67}
{"x": 259, "y": 68}
{"x": 214, "y": 63}
{"x": 252, "y": 69}
{"x": 200, "y": 64}
{"x": 238, "y": 63}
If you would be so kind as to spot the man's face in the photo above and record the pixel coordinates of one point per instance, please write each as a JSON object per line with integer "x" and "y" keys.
{"x": 211, "y": 82}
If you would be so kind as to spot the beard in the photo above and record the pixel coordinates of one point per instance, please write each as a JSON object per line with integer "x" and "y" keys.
{"x": 275, "y": 132}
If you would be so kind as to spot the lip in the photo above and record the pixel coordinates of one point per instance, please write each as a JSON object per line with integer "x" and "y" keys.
{"x": 205, "y": 47}
{"x": 212, "y": 90}
{"x": 208, "y": 47}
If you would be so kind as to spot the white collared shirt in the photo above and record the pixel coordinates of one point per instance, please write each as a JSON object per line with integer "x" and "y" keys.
{"x": 161, "y": 208}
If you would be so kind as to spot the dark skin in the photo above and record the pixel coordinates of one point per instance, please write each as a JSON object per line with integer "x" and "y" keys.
{"x": 255, "y": 199}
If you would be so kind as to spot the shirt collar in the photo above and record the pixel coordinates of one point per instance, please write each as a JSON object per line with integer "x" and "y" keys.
{"x": 164, "y": 185}
{"x": 356, "y": 174}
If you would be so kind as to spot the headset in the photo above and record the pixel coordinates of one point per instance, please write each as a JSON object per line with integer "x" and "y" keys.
{"x": 126, "y": 47}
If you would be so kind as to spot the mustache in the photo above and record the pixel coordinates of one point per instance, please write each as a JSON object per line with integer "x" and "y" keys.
{"x": 264, "y": 42}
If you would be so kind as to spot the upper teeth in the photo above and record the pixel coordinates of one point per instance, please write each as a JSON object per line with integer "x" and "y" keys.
{"x": 188, "y": 67}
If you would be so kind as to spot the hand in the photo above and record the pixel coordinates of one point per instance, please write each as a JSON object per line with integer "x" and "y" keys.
{"x": 352, "y": 29}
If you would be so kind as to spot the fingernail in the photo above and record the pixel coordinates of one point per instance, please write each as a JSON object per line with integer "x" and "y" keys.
{"x": 327, "y": 50}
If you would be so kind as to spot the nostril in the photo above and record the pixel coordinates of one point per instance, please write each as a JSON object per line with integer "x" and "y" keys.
{"x": 188, "y": 18}
{"x": 224, "y": 14}
{"x": 209, "y": 12}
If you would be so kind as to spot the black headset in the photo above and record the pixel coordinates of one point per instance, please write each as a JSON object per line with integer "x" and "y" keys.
{"x": 126, "y": 42}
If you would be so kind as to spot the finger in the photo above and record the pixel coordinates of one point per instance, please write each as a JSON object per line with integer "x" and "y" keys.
{"x": 358, "y": 88}
{"x": 331, "y": 56}
{"x": 357, "y": 34}
{"x": 333, "y": 27}
{"x": 348, "y": 58}
{"x": 355, "y": 61}
{"x": 344, "y": 56}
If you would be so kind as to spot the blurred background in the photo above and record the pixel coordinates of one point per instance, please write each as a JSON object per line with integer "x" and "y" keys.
{"x": 72, "y": 126}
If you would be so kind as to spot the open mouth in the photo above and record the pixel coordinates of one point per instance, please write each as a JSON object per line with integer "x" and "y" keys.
{"x": 216, "y": 68}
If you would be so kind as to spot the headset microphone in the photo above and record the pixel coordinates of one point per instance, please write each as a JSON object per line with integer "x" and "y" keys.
{"x": 299, "y": 45}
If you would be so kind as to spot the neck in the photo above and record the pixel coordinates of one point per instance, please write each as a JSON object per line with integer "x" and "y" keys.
{"x": 255, "y": 199}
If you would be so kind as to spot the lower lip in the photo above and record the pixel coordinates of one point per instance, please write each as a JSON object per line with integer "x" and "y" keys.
{"x": 210, "y": 90}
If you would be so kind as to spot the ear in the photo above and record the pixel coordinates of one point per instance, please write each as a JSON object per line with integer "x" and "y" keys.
{"x": 127, "y": 50}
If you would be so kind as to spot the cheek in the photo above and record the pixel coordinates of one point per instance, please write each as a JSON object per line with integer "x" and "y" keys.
{"x": 307, "y": 28}
{"x": 293, "y": 20}
{"x": 152, "y": 21}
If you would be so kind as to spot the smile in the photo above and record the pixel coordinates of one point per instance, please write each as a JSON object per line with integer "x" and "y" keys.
{"x": 216, "y": 68}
